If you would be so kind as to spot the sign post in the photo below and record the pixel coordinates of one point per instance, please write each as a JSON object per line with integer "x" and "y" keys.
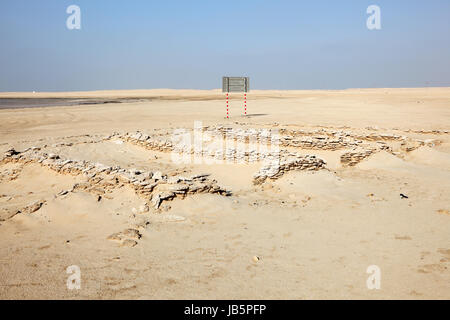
{"x": 236, "y": 84}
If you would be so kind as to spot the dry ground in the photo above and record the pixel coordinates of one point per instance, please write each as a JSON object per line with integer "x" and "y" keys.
{"x": 314, "y": 232}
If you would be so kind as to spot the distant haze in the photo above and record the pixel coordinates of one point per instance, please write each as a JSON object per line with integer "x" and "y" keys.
{"x": 144, "y": 44}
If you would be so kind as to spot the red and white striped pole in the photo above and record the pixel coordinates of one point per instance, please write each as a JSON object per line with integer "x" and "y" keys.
{"x": 245, "y": 103}
{"x": 227, "y": 106}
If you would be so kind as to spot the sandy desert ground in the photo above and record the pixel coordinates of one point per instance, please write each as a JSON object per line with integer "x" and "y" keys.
{"x": 96, "y": 186}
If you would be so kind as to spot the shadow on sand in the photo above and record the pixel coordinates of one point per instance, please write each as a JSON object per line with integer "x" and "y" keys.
{"x": 250, "y": 115}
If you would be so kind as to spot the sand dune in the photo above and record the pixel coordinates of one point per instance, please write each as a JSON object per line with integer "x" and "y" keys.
{"x": 383, "y": 160}
{"x": 429, "y": 156}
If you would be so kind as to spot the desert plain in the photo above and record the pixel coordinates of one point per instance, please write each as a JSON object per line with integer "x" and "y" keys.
{"x": 363, "y": 180}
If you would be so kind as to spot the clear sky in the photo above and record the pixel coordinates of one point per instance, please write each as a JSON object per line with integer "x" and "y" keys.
{"x": 144, "y": 44}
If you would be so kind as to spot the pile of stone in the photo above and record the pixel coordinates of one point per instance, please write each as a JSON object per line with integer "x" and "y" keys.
{"x": 324, "y": 139}
{"x": 153, "y": 186}
{"x": 250, "y": 139}
{"x": 155, "y": 143}
{"x": 413, "y": 144}
{"x": 319, "y": 142}
{"x": 381, "y": 137}
{"x": 354, "y": 157}
{"x": 277, "y": 162}
{"x": 353, "y": 139}
{"x": 275, "y": 170}
{"x": 318, "y": 139}
{"x": 220, "y": 151}
{"x": 424, "y": 131}
{"x": 319, "y": 131}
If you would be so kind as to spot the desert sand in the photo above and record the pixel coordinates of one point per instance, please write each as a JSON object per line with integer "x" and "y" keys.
{"x": 364, "y": 180}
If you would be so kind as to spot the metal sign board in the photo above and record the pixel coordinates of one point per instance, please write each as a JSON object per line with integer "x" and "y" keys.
{"x": 235, "y": 84}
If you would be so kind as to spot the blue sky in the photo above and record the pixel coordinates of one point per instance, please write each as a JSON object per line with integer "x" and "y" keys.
{"x": 143, "y": 44}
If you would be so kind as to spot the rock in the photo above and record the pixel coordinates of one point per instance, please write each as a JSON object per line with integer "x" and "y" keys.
{"x": 115, "y": 236}
{"x": 128, "y": 243}
{"x": 179, "y": 188}
{"x": 198, "y": 176}
{"x": 66, "y": 162}
{"x": 256, "y": 258}
{"x": 11, "y": 152}
{"x": 150, "y": 187}
{"x": 101, "y": 168}
{"x": 166, "y": 195}
{"x": 156, "y": 201}
{"x": 173, "y": 180}
{"x": 159, "y": 176}
{"x": 63, "y": 192}
{"x": 136, "y": 136}
{"x": 135, "y": 172}
{"x": 35, "y": 206}
{"x": 443, "y": 211}
{"x": 132, "y": 233}
{"x": 431, "y": 142}
{"x": 143, "y": 224}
